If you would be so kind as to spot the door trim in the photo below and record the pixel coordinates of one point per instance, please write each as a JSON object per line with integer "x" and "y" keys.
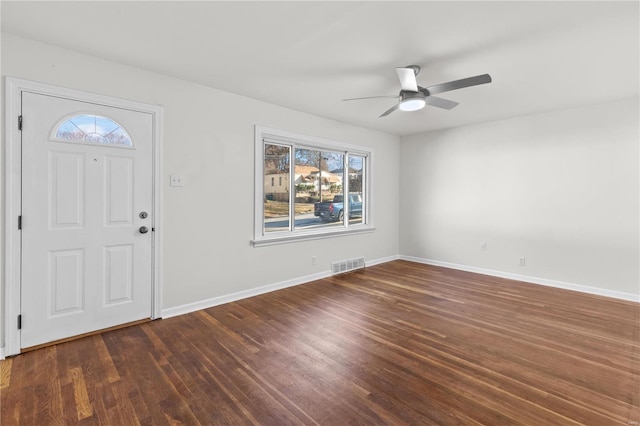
{"x": 12, "y": 256}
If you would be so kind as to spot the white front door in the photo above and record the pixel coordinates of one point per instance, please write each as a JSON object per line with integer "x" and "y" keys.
{"x": 87, "y": 217}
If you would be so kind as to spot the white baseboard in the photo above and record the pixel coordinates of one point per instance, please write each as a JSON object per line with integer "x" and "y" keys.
{"x": 221, "y": 300}
{"x": 526, "y": 278}
{"x": 383, "y": 260}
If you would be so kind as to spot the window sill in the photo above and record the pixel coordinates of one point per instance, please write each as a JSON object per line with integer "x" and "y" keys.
{"x": 284, "y": 239}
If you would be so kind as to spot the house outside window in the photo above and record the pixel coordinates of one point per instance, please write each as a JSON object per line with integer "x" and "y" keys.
{"x": 323, "y": 187}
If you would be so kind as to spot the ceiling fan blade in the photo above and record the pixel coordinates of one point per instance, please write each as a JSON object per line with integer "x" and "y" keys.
{"x": 459, "y": 84}
{"x": 390, "y": 110}
{"x": 371, "y": 97}
{"x": 440, "y": 103}
{"x": 407, "y": 78}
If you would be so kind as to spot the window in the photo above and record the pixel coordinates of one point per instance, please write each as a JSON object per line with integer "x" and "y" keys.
{"x": 323, "y": 187}
{"x": 93, "y": 129}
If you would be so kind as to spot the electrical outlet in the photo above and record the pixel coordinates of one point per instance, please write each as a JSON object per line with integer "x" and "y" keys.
{"x": 483, "y": 246}
{"x": 175, "y": 180}
{"x": 522, "y": 261}
{"x": 313, "y": 260}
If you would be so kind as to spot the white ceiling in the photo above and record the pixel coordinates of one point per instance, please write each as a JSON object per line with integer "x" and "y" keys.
{"x": 309, "y": 55}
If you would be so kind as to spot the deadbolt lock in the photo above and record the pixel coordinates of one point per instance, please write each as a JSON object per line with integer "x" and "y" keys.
{"x": 143, "y": 215}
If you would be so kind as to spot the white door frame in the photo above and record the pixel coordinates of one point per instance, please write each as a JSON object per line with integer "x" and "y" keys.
{"x": 13, "y": 207}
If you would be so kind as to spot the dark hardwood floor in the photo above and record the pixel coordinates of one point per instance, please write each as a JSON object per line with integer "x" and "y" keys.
{"x": 398, "y": 343}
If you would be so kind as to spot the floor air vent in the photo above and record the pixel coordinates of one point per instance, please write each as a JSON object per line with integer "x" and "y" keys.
{"x": 347, "y": 265}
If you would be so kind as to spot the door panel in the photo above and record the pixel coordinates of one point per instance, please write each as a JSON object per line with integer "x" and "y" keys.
{"x": 119, "y": 191}
{"x": 118, "y": 269}
{"x": 66, "y": 283}
{"x": 85, "y": 264}
{"x": 66, "y": 189}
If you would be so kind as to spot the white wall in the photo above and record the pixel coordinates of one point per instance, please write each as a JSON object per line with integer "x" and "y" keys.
{"x": 209, "y": 139}
{"x": 560, "y": 189}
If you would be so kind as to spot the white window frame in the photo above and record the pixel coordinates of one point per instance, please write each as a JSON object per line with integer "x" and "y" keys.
{"x": 261, "y": 238}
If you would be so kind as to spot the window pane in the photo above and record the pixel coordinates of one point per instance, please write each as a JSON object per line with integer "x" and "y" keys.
{"x": 318, "y": 183}
{"x": 356, "y": 189}
{"x": 332, "y": 186}
{"x": 92, "y": 129}
{"x": 276, "y": 197}
{"x": 306, "y": 187}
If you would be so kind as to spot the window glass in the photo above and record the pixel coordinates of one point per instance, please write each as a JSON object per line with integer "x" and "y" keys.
{"x": 356, "y": 189}
{"x": 318, "y": 180}
{"x": 276, "y": 198}
{"x": 86, "y": 128}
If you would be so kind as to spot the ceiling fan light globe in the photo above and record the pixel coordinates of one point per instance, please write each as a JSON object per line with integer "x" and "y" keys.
{"x": 412, "y": 104}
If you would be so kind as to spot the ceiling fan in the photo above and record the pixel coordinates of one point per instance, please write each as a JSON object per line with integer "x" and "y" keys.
{"x": 413, "y": 97}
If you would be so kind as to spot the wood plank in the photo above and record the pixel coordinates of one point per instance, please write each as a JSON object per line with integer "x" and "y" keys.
{"x": 81, "y": 396}
{"x": 5, "y": 373}
{"x": 397, "y": 343}
{"x": 105, "y": 359}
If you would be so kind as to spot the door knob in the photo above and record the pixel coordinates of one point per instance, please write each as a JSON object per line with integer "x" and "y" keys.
{"x": 143, "y": 229}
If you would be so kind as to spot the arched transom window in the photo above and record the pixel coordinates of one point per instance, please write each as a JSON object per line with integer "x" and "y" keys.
{"x": 93, "y": 129}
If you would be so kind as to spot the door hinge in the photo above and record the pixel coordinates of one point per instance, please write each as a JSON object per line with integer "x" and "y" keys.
{"x": 19, "y": 122}
{"x": 19, "y": 222}
{"x": 19, "y": 322}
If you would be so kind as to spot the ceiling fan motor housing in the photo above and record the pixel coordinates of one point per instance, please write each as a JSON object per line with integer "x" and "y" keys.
{"x": 412, "y": 101}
